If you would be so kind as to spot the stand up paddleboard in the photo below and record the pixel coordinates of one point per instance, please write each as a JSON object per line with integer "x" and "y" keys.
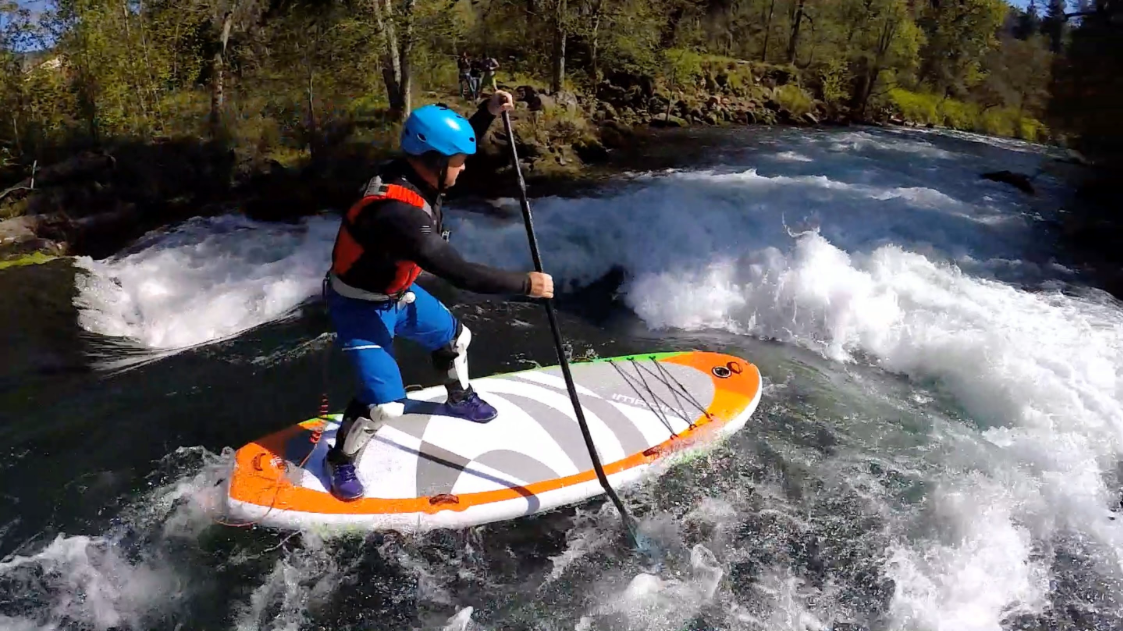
{"x": 426, "y": 471}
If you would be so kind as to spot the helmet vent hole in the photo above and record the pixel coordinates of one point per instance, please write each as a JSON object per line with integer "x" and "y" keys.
{"x": 421, "y": 137}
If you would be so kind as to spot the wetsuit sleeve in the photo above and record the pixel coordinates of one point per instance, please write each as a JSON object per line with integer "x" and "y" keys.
{"x": 480, "y": 122}
{"x": 407, "y": 232}
{"x": 436, "y": 256}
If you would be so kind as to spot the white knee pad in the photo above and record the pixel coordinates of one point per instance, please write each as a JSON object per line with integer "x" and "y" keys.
{"x": 459, "y": 369}
{"x": 365, "y": 426}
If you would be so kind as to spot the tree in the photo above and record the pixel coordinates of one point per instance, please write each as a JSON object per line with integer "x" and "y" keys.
{"x": 771, "y": 4}
{"x": 1028, "y": 22}
{"x": 395, "y": 28}
{"x": 1053, "y": 26}
{"x": 560, "y": 18}
{"x": 1017, "y": 75}
{"x": 12, "y": 92}
{"x": 959, "y": 34}
{"x": 889, "y": 39}
{"x": 1087, "y": 85}
{"x": 797, "y": 20}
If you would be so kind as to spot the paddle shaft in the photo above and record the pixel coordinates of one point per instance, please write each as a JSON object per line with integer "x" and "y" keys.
{"x": 556, "y": 330}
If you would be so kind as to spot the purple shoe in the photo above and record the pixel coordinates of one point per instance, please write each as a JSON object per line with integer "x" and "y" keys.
{"x": 345, "y": 485}
{"x": 471, "y": 407}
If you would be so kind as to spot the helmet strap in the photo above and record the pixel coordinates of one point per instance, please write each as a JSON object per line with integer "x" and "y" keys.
{"x": 442, "y": 175}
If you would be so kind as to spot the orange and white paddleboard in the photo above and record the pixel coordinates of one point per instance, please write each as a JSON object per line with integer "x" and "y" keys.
{"x": 426, "y": 470}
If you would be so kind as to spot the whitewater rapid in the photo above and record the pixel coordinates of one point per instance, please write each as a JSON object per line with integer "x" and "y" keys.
{"x": 873, "y": 247}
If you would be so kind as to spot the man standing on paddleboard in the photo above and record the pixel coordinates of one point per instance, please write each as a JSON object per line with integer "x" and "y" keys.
{"x": 387, "y": 237}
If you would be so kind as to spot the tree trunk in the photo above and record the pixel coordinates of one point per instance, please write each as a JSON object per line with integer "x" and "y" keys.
{"x": 405, "y": 76}
{"x": 814, "y": 44}
{"x": 593, "y": 44}
{"x": 793, "y": 41}
{"x": 148, "y": 67}
{"x": 767, "y": 30}
{"x": 888, "y": 31}
{"x": 391, "y": 60}
{"x": 218, "y": 97}
{"x": 559, "y": 46}
{"x": 218, "y": 72}
{"x": 16, "y": 134}
{"x": 132, "y": 74}
{"x": 313, "y": 136}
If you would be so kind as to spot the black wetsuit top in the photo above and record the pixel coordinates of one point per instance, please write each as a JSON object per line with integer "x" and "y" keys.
{"x": 391, "y": 231}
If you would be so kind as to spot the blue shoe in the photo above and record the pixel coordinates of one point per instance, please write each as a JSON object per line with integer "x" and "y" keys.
{"x": 471, "y": 407}
{"x": 345, "y": 485}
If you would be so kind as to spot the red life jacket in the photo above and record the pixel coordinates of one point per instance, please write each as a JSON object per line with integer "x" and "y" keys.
{"x": 347, "y": 250}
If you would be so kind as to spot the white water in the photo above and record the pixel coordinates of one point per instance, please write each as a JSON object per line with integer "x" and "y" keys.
{"x": 860, "y": 246}
{"x": 106, "y": 582}
{"x": 207, "y": 279}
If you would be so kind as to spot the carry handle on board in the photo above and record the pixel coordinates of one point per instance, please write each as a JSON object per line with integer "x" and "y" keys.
{"x": 629, "y": 525}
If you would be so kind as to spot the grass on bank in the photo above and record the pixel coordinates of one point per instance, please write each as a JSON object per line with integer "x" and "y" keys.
{"x": 35, "y": 258}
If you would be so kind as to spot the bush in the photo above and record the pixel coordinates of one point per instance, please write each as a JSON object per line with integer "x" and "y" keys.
{"x": 833, "y": 79}
{"x": 999, "y": 122}
{"x": 1032, "y": 130}
{"x": 794, "y": 99}
{"x": 958, "y": 115}
{"x": 924, "y": 108}
{"x": 914, "y": 106}
{"x": 681, "y": 65}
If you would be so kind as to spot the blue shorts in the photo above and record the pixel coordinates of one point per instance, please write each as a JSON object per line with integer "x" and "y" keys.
{"x": 366, "y": 333}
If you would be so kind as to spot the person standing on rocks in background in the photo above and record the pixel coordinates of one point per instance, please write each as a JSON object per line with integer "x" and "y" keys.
{"x": 491, "y": 64}
{"x": 475, "y": 74}
{"x": 464, "y": 66}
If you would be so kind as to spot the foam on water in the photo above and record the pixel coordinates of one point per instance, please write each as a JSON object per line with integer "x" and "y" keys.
{"x": 651, "y": 602}
{"x": 88, "y": 581}
{"x": 107, "y": 582}
{"x": 207, "y": 279}
{"x": 855, "y": 256}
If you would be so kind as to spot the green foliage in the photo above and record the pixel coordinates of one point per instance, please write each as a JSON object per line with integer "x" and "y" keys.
{"x": 926, "y": 108}
{"x": 682, "y": 65}
{"x": 794, "y": 99}
{"x": 958, "y": 37}
{"x": 35, "y": 258}
{"x": 833, "y": 80}
{"x": 1017, "y": 74}
{"x": 957, "y": 114}
{"x": 297, "y": 76}
{"x": 1032, "y": 130}
{"x": 915, "y": 107}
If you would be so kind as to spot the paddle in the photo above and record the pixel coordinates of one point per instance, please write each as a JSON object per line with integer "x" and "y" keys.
{"x": 629, "y": 524}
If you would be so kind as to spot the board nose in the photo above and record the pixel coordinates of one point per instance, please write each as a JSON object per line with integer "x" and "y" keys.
{"x": 735, "y": 379}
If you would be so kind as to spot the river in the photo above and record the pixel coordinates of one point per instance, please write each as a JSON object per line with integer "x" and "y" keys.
{"x": 939, "y": 445}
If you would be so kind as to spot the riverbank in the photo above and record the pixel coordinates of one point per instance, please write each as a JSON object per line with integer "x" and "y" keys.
{"x": 97, "y": 200}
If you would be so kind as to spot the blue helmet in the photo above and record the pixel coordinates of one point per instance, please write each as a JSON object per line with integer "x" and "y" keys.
{"x": 437, "y": 128}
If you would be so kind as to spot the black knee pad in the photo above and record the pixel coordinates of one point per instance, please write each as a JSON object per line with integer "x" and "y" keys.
{"x": 445, "y": 355}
